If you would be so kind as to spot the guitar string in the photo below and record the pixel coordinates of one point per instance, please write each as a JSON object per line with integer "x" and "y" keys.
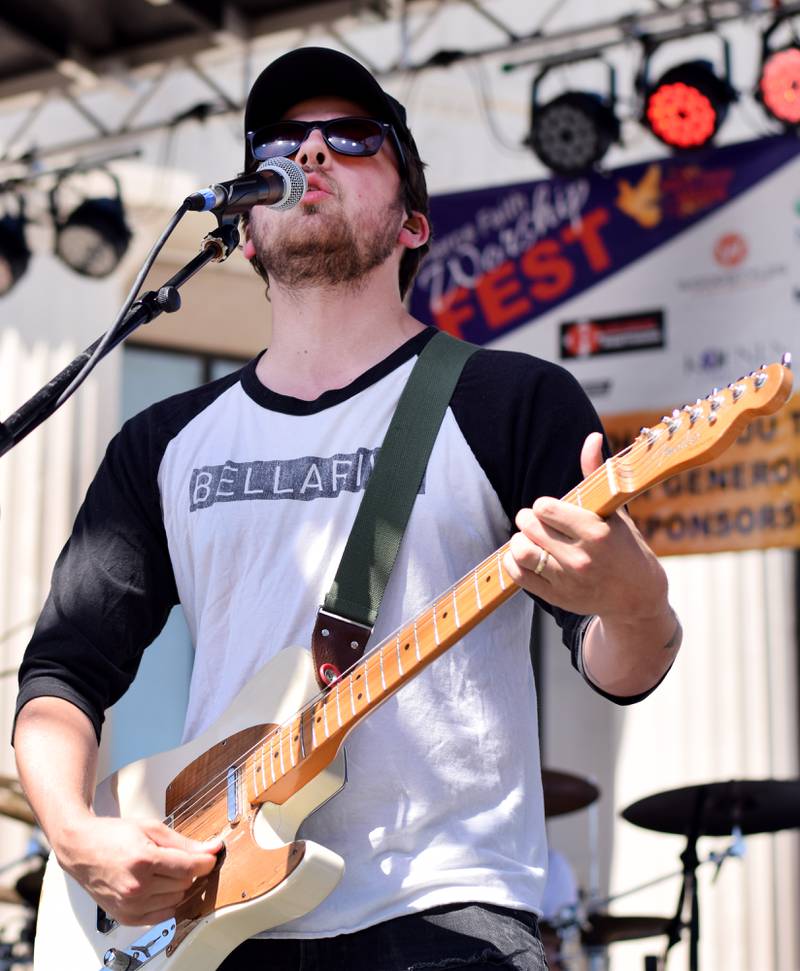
{"x": 218, "y": 784}
{"x": 586, "y": 490}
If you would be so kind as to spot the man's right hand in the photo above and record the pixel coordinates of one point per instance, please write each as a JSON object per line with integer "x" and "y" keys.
{"x": 138, "y": 872}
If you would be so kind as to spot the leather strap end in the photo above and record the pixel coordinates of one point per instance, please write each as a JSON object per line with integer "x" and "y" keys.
{"x": 336, "y": 644}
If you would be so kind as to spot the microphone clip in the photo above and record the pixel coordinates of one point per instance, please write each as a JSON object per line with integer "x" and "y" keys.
{"x": 224, "y": 239}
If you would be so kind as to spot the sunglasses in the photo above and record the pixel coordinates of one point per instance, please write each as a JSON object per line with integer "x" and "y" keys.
{"x": 356, "y": 137}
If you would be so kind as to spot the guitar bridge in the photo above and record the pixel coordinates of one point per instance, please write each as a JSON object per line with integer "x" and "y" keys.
{"x": 142, "y": 951}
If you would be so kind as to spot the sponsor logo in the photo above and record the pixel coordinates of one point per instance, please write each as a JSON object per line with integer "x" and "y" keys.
{"x": 730, "y": 250}
{"x": 591, "y": 337}
{"x": 689, "y": 190}
{"x": 596, "y": 389}
{"x": 734, "y": 278}
{"x": 739, "y": 358}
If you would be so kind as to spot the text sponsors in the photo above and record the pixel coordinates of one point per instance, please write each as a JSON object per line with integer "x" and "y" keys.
{"x": 747, "y": 498}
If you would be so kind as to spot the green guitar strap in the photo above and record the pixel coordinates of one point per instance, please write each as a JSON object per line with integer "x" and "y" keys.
{"x": 347, "y": 616}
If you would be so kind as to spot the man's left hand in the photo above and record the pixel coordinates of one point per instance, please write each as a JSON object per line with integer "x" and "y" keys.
{"x": 586, "y": 564}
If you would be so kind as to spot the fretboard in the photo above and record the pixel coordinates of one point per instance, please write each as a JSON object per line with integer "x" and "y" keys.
{"x": 325, "y": 722}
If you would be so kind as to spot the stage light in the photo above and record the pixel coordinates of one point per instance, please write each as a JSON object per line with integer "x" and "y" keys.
{"x": 573, "y": 132}
{"x": 688, "y": 104}
{"x": 778, "y": 87}
{"x": 14, "y": 252}
{"x": 94, "y": 237}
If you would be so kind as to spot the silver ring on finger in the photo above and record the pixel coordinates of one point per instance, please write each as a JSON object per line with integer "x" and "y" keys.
{"x": 544, "y": 556}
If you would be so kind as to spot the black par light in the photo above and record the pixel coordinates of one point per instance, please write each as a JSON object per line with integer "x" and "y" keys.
{"x": 94, "y": 237}
{"x": 14, "y": 252}
{"x": 572, "y": 133}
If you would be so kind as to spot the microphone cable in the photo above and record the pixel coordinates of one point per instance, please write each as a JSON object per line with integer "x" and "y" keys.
{"x": 133, "y": 293}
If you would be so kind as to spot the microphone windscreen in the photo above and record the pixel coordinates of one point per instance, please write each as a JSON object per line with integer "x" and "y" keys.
{"x": 294, "y": 176}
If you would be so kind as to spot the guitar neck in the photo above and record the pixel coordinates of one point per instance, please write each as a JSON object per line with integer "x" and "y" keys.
{"x": 289, "y": 754}
{"x": 322, "y": 726}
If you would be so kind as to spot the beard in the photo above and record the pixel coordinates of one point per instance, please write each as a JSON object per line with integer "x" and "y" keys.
{"x": 325, "y": 250}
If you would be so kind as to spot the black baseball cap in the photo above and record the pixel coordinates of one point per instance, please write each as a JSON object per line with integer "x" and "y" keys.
{"x": 309, "y": 72}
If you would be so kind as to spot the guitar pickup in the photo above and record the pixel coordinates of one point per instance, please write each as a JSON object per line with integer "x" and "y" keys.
{"x": 233, "y": 778}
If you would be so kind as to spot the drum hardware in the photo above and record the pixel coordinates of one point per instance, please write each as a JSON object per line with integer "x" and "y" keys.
{"x": 737, "y": 808}
{"x": 566, "y": 793}
{"x": 13, "y": 802}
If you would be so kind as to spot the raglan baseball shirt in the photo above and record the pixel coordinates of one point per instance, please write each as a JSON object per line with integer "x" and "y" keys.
{"x": 236, "y": 502}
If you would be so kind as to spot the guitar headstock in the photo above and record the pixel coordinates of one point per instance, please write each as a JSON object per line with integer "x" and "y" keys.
{"x": 693, "y": 434}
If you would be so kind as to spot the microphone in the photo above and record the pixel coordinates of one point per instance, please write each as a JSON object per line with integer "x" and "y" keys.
{"x": 277, "y": 183}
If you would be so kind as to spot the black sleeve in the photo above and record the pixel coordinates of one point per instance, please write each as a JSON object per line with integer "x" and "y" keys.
{"x": 112, "y": 586}
{"x": 526, "y": 420}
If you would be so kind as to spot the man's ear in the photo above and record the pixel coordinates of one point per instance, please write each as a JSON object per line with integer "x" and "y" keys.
{"x": 248, "y": 250}
{"x": 415, "y": 231}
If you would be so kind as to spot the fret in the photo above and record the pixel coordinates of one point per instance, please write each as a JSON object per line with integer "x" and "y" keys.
{"x": 280, "y": 749}
{"x": 416, "y": 638}
{"x": 302, "y": 739}
{"x": 399, "y": 659}
{"x": 357, "y": 676}
{"x": 292, "y": 753}
{"x": 338, "y": 706}
{"x": 455, "y": 608}
{"x": 366, "y": 682}
{"x": 612, "y": 478}
{"x": 324, "y": 705}
{"x": 383, "y": 675}
{"x": 477, "y": 588}
{"x": 255, "y": 770}
{"x": 271, "y": 759}
{"x": 498, "y": 556}
{"x": 352, "y": 699}
{"x": 578, "y": 495}
{"x": 436, "y": 638}
{"x": 313, "y": 729}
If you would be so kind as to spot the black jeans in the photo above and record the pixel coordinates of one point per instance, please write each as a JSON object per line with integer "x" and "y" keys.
{"x": 473, "y": 936}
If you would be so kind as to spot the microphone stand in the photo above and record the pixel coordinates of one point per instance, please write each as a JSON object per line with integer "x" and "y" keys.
{"x": 217, "y": 246}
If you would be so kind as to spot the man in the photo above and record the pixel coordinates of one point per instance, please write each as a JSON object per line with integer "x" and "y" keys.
{"x": 237, "y": 499}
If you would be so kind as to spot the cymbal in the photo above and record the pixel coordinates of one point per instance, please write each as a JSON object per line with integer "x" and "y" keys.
{"x": 713, "y": 809}
{"x": 29, "y": 885}
{"x": 13, "y": 802}
{"x": 601, "y": 930}
{"x": 10, "y": 896}
{"x": 565, "y": 792}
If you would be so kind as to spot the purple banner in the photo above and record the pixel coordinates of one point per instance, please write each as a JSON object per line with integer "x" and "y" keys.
{"x": 501, "y": 257}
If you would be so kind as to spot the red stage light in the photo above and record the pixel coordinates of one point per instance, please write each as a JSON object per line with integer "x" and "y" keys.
{"x": 779, "y": 85}
{"x": 680, "y": 115}
{"x": 687, "y": 106}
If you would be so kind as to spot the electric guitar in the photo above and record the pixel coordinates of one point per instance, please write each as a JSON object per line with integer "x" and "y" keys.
{"x": 277, "y": 755}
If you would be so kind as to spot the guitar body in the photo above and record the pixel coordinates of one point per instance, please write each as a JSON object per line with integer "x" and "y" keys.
{"x": 265, "y": 878}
